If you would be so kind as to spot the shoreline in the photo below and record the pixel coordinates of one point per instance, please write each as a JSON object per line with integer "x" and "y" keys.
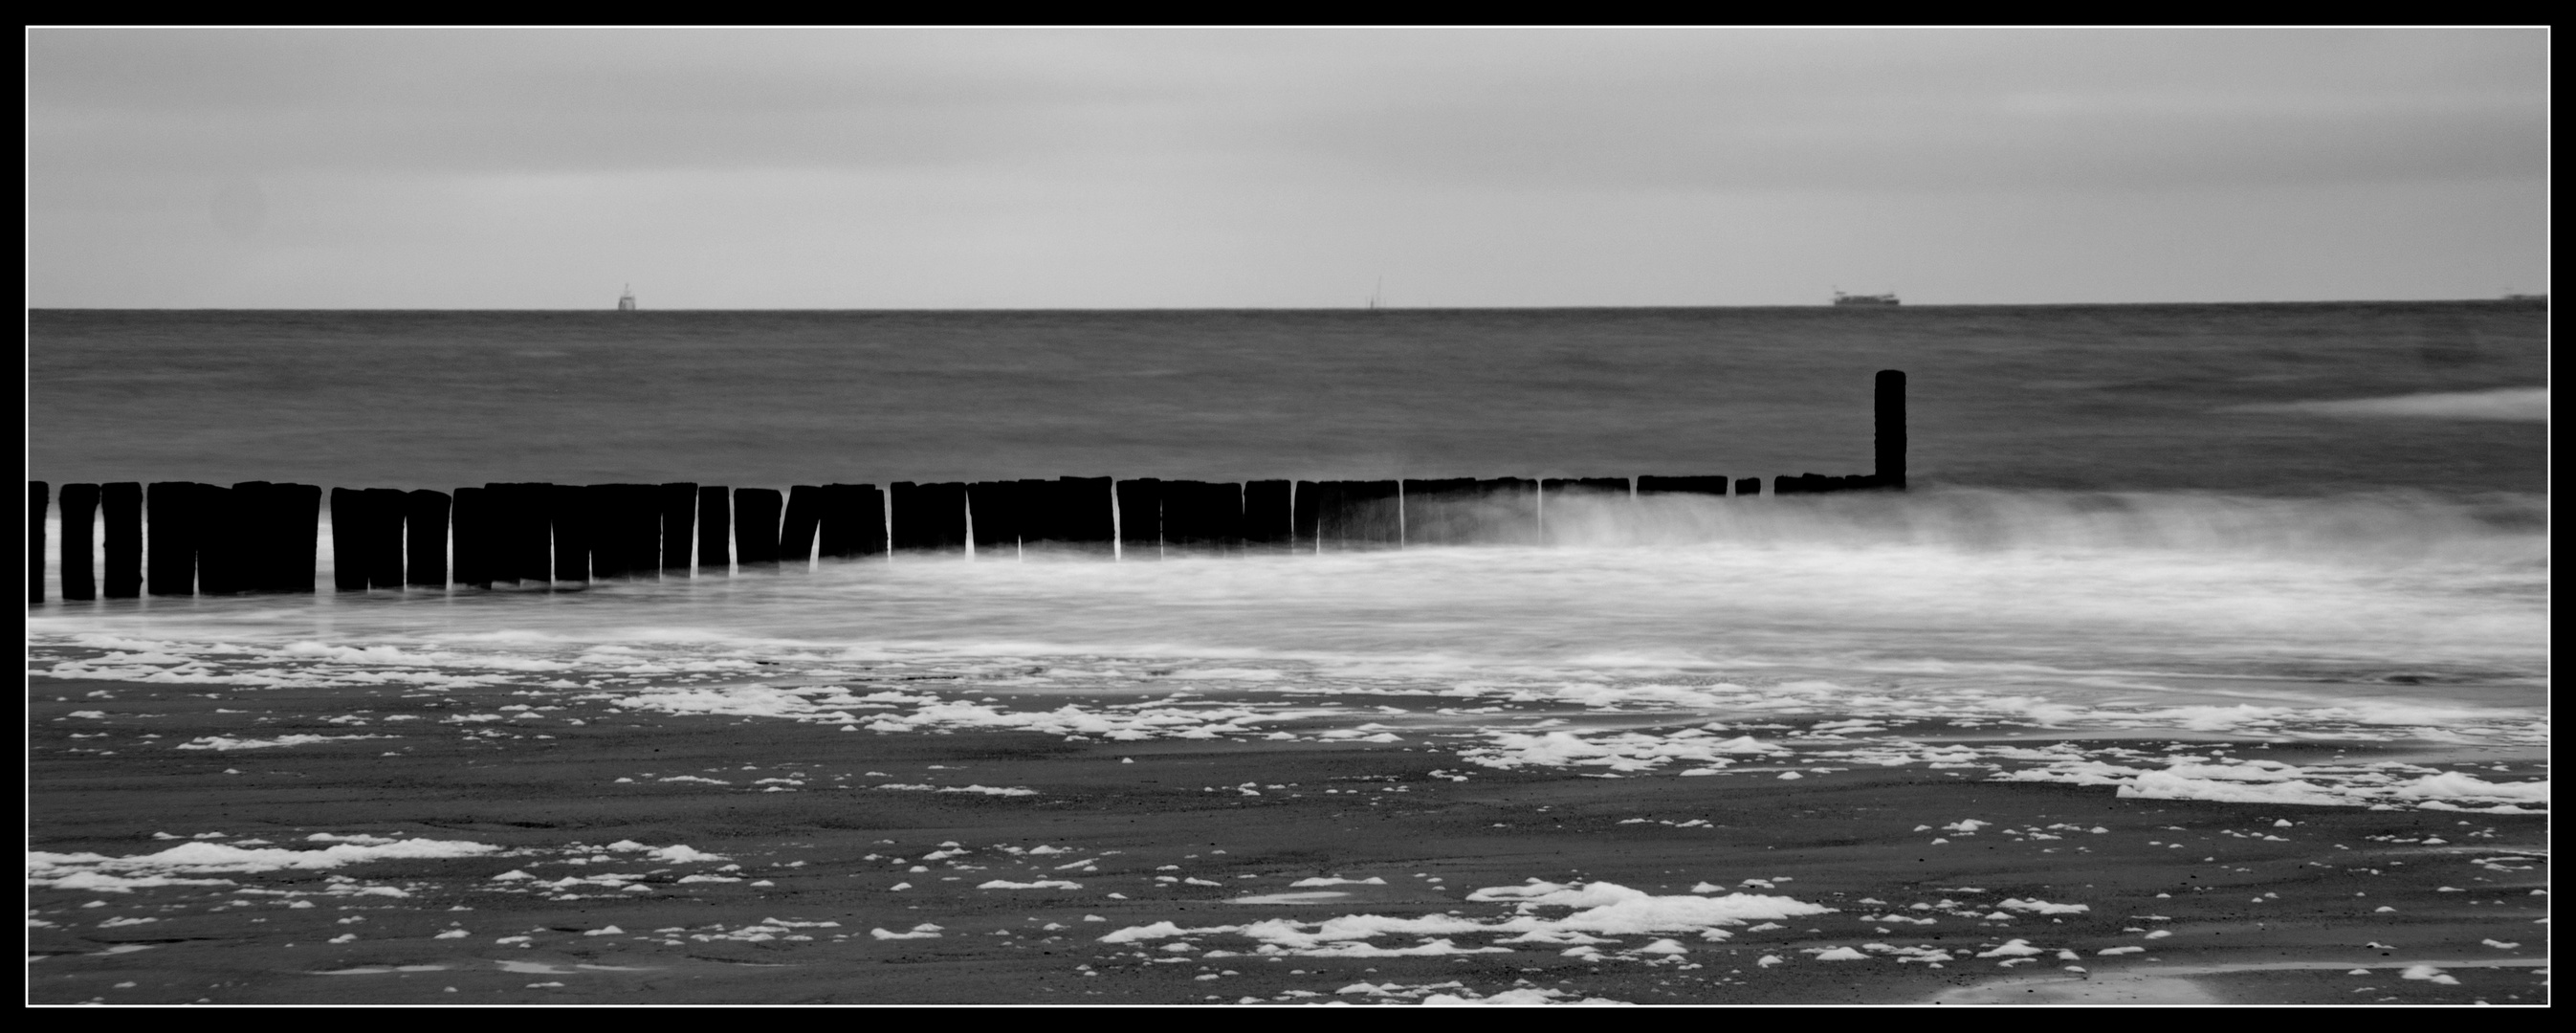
{"x": 579, "y": 792}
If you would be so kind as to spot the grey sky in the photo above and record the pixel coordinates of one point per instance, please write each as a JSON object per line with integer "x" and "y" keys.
{"x": 1222, "y": 168}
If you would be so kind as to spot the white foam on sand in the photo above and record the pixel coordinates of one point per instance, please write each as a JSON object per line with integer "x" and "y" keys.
{"x": 1592, "y": 910}
{"x": 220, "y": 742}
{"x": 117, "y": 874}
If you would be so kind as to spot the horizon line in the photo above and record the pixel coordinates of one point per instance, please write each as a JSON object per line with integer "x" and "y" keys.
{"x": 2541, "y": 296}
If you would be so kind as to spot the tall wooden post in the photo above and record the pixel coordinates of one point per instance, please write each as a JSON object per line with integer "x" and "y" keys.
{"x": 755, "y": 528}
{"x": 993, "y": 509}
{"x": 353, "y": 528}
{"x": 535, "y": 535}
{"x": 715, "y": 530}
{"x": 519, "y": 532}
{"x": 1266, "y": 515}
{"x": 679, "y": 527}
{"x": 575, "y": 530}
{"x": 1140, "y": 518}
{"x": 1183, "y": 524}
{"x": 220, "y": 548}
{"x": 1084, "y": 512}
{"x": 295, "y": 520}
{"x": 383, "y": 555}
{"x": 637, "y": 517}
{"x": 930, "y": 517}
{"x": 425, "y": 538}
{"x": 1891, "y": 429}
{"x": 121, "y": 504}
{"x": 796, "y": 530}
{"x": 171, "y": 568}
{"x": 870, "y": 501}
{"x": 472, "y": 530}
{"x": 80, "y": 510}
{"x": 1304, "y": 512}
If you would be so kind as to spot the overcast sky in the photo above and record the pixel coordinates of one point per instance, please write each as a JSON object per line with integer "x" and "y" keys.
{"x": 964, "y": 168}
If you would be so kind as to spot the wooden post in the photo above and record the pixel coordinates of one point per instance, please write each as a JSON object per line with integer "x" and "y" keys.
{"x": 171, "y": 568}
{"x": 575, "y": 531}
{"x": 353, "y": 524}
{"x": 296, "y": 514}
{"x": 679, "y": 504}
{"x": 39, "y": 500}
{"x": 1332, "y": 517}
{"x": 930, "y": 517}
{"x": 993, "y": 515}
{"x": 520, "y": 532}
{"x": 796, "y": 533}
{"x": 909, "y": 528}
{"x": 854, "y": 521}
{"x": 122, "y": 505}
{"x": 1266, "y": 515}
{"x": 1304, "y": 512}
{"x": 638, "y": 517}
{"x": 1650, "y": 485}
{"x": 503, "y": 533}
{"x": 1890, "y": 418}
{"x": 271, "y": 536}
{"x": 1039, "y": 519}
{"x": 715, "y": 530}
{"x": 755, "y": 528}
{"x": 254, "y": 537}
{"x": 425, "y": 538}
{"x": 1203, "y": 517}
{"x": 382, "y": 558}
{"x": 1184, "y": 526}
{"x": 536, "y": 540}
{"x": 220, "y": 549}
{"x": 1084, "y": 511}
{"x": 472, "y": 529}
{"x": 1140, "y": 518}
{"x": 1221, "y": 517}
{"x": 608, "y": 535}
{"x": 947, "y": 500}
{"x": 79, "y": 570}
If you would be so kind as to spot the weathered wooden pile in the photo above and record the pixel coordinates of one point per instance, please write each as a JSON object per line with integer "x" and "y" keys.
{"x": 257, "y": 536}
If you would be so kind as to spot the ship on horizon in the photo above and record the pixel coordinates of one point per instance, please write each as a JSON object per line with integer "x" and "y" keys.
{"x": 626, "y": 301}
{"x": 1841, "y": 298}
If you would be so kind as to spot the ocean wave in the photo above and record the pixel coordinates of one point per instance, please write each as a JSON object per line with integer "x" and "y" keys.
{"x": 2503, "y": 403}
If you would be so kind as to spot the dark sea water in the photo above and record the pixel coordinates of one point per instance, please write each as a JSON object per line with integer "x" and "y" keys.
{"x": 2115, "y": 397}
{"x": 2288, "y": 520}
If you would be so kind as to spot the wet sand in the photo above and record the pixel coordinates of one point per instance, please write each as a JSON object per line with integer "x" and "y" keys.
{"x": 2228, "y": 905}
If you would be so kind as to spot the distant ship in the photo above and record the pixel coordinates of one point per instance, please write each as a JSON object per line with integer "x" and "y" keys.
{"x": 2527, "y": 297}
{"x": 626, "y": 301}
{"x": 1841, "y": 298}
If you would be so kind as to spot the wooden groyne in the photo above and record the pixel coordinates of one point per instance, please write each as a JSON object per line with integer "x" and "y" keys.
{"x": 178, "y": 538}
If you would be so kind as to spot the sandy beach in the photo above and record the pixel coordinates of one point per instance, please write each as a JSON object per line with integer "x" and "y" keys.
{"x": 575, "y": 850}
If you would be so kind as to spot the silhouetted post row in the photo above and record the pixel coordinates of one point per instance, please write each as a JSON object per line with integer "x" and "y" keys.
{"x": 178, "y": 538}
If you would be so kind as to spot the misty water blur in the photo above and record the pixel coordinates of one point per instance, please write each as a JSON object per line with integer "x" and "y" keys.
{"x": 2115, "y": 502}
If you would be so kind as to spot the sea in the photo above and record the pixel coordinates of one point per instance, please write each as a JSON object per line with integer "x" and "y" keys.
{"x": 2235, "y": 524}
